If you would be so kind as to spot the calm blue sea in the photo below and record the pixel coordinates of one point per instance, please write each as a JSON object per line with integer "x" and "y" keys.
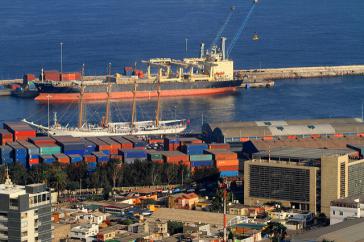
{"x": 94, "y": 33}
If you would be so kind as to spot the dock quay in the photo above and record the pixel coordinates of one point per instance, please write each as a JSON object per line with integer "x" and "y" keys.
{"x": 300, "y": 72}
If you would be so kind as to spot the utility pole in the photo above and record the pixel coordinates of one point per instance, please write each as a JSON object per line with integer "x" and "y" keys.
{"x": 61, "y": 44}
{"x": 48, "y": 96}
{"x": 186, "y": 45}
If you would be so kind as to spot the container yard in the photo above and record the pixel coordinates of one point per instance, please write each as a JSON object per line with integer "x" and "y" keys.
{"x": 20, "y": 144}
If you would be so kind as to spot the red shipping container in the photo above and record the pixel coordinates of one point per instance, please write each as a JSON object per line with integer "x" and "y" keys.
{"x": 51, "y": 75}
{"x": 29, "y": 77}
{"x": 42, "y": 140}
{"x": 175, "y": 157}
{"x": 155, "y": 141}
{"x": 33, "y": 162}
{"x": 228, "y": 168}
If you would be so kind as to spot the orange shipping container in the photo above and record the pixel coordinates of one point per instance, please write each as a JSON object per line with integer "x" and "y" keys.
{"x": 89, "y": 158}
{"x": 221, "y": 163}
{"x": 219, "y": 146}
{"x": 222, "y": 154}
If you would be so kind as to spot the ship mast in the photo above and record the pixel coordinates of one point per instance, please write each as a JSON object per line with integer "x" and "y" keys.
{"x": 133, "y": 113}
{"x": 157, "y": 111}
{"x": 107, "y": 112}
{"x": 80, "y": 115}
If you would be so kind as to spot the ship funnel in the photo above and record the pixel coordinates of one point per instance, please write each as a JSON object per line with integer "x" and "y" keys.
{"x": 202, "y": 50}
{"x": 223, "y": 47}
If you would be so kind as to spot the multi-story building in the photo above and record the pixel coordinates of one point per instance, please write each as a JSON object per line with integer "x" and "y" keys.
{"x": 306, "y": 179}
{"x": 85, "y": 232}
{"x": 25, "y": 212}
{"x": 342, "y": 209}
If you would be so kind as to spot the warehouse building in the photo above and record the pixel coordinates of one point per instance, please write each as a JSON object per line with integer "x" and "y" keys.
{"x": 268, "y": 130}
{"x": 304, "y": 178}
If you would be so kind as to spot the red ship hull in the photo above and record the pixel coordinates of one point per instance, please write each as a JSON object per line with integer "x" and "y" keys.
{"x": 72, "y": 97}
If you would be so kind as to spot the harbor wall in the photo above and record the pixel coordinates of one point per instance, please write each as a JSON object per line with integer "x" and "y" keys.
{"x": 300, "y": 72}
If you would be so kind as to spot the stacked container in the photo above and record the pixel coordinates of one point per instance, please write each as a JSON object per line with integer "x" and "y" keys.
{"x": 115, "y": 146}
{"x": 189, "y": 140}
{"x": 125, "y": 144}
{"x": 176, "y": 158}
{"x": 194, "y": 149}
{"x": 20, "y": 130}
{"x": 89, "y": 146}
{"x": 19, "y": 153}
{"x": 5, "y": 137}
{"x": 201, "y": 161}
{"x": 48, "y": 149}
{"x": 51, "y": 75}
{"x": 100, "y": 145}
{"x": 6, "y": 154}
{"x": 62, "y": 158}
{"x": 101, "y": 158}
{"x": 171, "y": 143}
{"x": 91, "y": 162}
{"x": 32, "y": 153}
{"x": 155, "y": 156}
{"x": 71, "y": 76}
{"x": 47, "y": 159}
{"x": 226, "y": 162}
{"x": 75, "y": 158}
{"x": 130, "y": 155}
{"x": 71, "y": 145}
{"x": 128, "y": 70}
{"x": 137, "y": 144}
{"x": 42, "y": 140}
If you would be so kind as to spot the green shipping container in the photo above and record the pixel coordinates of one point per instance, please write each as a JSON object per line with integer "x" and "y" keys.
{"x": 50, "y": 150}
{"x": 154, "y": 156}
{"x": 206, "y": 157}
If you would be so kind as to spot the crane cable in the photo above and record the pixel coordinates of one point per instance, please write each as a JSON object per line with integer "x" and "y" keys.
{"x": 241, "y": 29}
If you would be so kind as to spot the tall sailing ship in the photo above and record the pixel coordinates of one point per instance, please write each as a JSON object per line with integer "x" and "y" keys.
{"x": 107, "y": 128}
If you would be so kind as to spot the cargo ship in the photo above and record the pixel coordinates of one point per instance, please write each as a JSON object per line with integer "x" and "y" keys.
{"x": 211, "y": 73}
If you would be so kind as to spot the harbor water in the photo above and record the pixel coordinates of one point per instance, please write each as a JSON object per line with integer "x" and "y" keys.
{"x": 291, "y": 33}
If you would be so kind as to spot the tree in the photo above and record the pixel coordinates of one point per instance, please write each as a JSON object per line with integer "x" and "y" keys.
{"x": 275, "y": 230}
{"x": 18, "y": 174}
{"x": 57, "y": 178}
{"x": 106, "y": 191}
{"x": 174, "y": 227}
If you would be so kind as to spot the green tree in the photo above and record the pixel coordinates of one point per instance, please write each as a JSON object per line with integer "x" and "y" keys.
{"x": 18, "y": 174}
{"x": 57, "y": 178}
{"x": 174, "y": 227}
{"x": 275, "y": 230}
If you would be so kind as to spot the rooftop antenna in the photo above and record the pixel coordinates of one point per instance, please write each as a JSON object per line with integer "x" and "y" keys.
{"x": 8, "y": 181}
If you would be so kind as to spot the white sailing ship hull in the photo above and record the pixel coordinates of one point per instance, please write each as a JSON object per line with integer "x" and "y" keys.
{"x": 114, "y": 129}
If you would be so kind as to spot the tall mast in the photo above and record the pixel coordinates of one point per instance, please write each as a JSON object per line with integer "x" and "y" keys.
{"x": 107, "y": 113}
{"x": 133, "y": 112}
{"x": 80, "y": 115}
{"x": 157, "y": 111}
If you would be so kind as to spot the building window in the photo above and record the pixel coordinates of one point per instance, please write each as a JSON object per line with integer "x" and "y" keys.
{"x": 341, "y": 213}
{"x": 13, "y": 202}
{"x": 333, "y": 212}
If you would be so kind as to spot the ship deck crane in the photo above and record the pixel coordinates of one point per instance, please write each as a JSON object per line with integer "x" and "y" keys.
{"x": 222, "y": 28}
{"x": 241, "y": 28}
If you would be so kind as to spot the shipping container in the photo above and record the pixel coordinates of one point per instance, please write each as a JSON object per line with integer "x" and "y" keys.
{"x": 42, "y": 140}
{"x": 202, "y": 163}
{"x": 19, "y": 153}
{"x": 6, "y": 154}
{"x": 194, "y": 149}
{"x": 189, "y": 140}
{"x": 5, "y": 136}
{"x": 49, "y": 149}
{"x": 32, "y": 150}
{"x": 115, "y": 146}
{"x": 204, "y": 157}
{"x": 133, "y": 154}
{"x": 51, "y": 76}
{"x": 137, "y": 143}
{"x": 154, "y": 155}
{"x": 101, "y": 158}
{"x": 125, "y": 144}
{"x": 62, "y": 158}
{"x": 100, "y": 145}
{"x": 229, "y": 168}
{"x": 175, "y": 157}
{"x": 47, "y": 159}
{"x": 32, "y": 162}
{"x": 222, "y": 154}
{"x": 229, "y": 173}
{"x": 70, "y": 76}
{"x": 89, "y": 158}
{"x": 219, "y": 146}
{"x": 75, "y": 158}
{"x": 221, "y": 163}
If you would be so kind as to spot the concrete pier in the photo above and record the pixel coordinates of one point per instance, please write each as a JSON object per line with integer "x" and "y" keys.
{"x": 300, "y": 72}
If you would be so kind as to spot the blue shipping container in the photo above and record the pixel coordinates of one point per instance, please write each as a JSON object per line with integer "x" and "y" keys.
{"x": 201, "y": 163}
{"x": 229, "y": 173}
{"x": 138, "y": 154}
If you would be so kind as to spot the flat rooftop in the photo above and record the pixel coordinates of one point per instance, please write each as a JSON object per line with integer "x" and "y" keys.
{"x": 189, "y": 216}
{"x": 297, "y": 153}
